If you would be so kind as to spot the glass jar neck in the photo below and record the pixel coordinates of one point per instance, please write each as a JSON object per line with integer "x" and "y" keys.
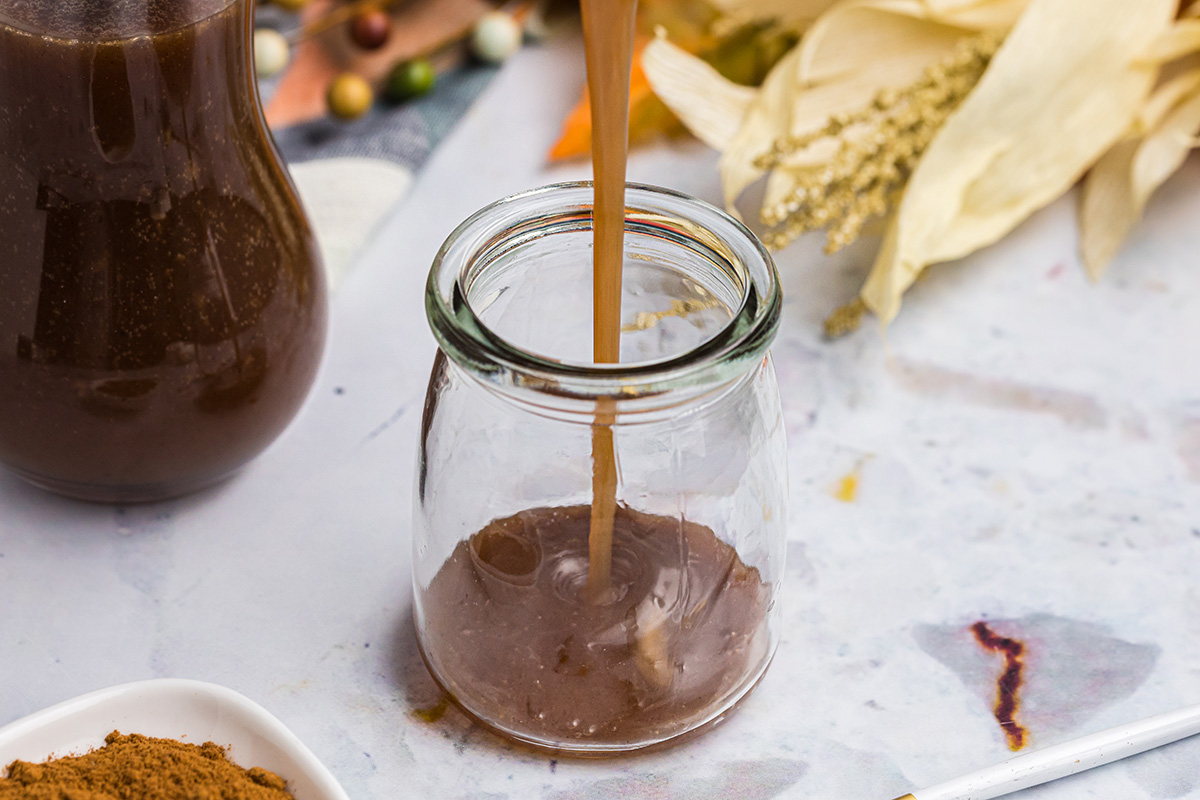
{"x": 622, "y": 411}
{"x": 508, "y": 299}
{"x": 107, "y": 20}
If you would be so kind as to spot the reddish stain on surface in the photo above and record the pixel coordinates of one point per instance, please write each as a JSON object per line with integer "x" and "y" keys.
{"x": 1009, "y": 683}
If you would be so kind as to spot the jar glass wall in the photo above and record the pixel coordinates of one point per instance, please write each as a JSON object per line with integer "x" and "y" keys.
{"x": 503, "y": 538}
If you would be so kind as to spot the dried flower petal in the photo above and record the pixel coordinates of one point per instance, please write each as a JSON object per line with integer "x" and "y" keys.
{"x": 711, "y": 106}
{"x": 787, "y": 11}
{"x": 1163, "y": 152}
{"x": 824, "y": 76}
{"x": 974, "y": 14}
{"x": 1119, "y": 186}
{"x": 827, "y": 74}
{"x": 1169, "y": 94}
{"x": 1107, "y": 211}
{"x": 1181, "y": 39}
{"x": 1066, "y": 84}
{"x": 878, "y": 147}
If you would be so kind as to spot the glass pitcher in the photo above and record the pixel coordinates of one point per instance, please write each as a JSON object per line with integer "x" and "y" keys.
{"x": 512, "y": 618}
{"x": 162, "y": 302}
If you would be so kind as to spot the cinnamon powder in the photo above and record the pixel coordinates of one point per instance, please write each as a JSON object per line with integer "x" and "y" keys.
{"x": 136, "y": 767}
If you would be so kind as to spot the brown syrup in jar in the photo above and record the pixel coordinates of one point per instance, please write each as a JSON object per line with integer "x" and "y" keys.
{"x": 162, "y": 308}
{"x": 518, "y": 640}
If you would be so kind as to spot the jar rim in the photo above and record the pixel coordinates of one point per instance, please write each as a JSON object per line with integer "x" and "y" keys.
{"x": 726, "y": 355}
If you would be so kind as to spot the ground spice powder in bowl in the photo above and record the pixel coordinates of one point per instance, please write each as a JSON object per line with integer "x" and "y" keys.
{"x": 136, "y": 767}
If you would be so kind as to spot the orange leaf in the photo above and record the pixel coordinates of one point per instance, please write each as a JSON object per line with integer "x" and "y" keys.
{"x": 576, "y": 137}
{"x": 647, "y": 116}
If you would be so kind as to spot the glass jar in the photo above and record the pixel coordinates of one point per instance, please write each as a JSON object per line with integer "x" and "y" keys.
{"x": 162, "y": 303}
{"x": 505, "y": 550}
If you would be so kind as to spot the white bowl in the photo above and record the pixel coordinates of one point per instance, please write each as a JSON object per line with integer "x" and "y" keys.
{"x": 190, "y": 711}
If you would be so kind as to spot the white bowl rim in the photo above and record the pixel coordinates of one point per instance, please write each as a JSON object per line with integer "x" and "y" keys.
{"x": 253, "y": 716}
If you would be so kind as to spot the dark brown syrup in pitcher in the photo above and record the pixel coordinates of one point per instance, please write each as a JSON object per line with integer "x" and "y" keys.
{"x": 162, "y": 308}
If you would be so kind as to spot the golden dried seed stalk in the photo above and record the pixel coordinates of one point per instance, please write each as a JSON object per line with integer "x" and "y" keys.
{"x": 879, "y": 146}
{"x": 845, "y": 319}
{"x": 645, "y": 320}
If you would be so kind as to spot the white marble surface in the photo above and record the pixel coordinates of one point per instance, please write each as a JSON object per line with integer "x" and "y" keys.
{"x": 1028, "y": 449}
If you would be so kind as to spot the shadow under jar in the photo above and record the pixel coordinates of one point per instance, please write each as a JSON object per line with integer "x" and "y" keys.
{"x": 162, "y": 304}
{"x": 502, "y": 534}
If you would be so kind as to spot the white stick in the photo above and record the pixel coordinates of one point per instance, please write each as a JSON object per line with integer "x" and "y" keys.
{"x": 1067, "y": 758}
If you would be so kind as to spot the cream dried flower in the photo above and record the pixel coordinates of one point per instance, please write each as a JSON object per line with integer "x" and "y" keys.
{"x": 878, "y": 147}
{"x": 959, "y": 118}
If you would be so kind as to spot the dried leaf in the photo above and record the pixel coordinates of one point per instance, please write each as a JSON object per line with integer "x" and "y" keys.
{"x": 1181, "y": 39}
{"x": 1163, "y": 152}
{"x": 1066, "y": 84}
{"x": 690, "y": 23}
{"x": 766, "y": 118}
{"x": 575, "y": 138}
{"x": 786, "y": 11}
{"x": 1166, "y": 98}
{"x": 743, "y": 49}
{"x": 746, "y": 54}
{"x": 828, "y": 74}
{"x": 1109, "y": 205}
{"x": 888, "y": 30}
{"x": 832, "y": 76}
{"x": 1107, "y": 211}
{"x": 975, "y": 14}
{"x": 1119, "y": 186}
{"x": 647, "y": 117}
{"x": 709, "y": 105}
{"x": 878, "y": 147}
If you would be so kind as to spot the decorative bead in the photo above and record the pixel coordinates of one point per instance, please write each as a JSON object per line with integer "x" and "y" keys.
{"x": 410, "y": 79}
{"x": 370, "y": 29}
{"x": 496, "y": 37}
{"x": 271, "y": 52}
{"x": 349, "y": 96}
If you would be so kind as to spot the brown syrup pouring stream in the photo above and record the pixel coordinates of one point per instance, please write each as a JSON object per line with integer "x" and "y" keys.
{"x": 608, "y": 40}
